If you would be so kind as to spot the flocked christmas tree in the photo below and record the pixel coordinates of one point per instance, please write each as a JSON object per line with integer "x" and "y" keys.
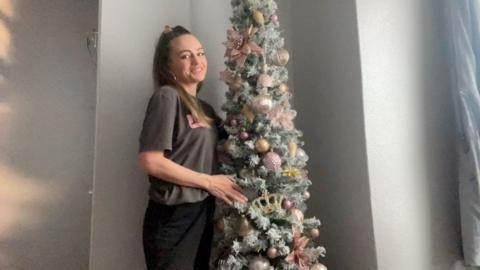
{"x": 264, "y": 151}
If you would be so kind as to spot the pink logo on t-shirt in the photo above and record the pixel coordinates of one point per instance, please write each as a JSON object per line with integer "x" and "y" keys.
{"x": 193, "y": 124}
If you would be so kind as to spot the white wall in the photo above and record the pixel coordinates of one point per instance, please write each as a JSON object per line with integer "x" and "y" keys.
{"x": 47, "y": 98}
{"x": 410, "y": 134}
{"x": 328, "y": 99}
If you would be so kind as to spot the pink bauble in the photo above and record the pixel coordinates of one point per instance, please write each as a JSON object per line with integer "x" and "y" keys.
{"x": 265, "y": 81}
{"x": 274, "y": 17}
{"x": 297, "y": 214}
{"x": 243, "y": 135}
{"x": 272, "y": 161}
{"x": 272, "y": 252}
{"x": 287, "y": 204}
{"x": 318, "y": 266}
{"x": 315, "y": 232}
{"x": 262, "y": 103}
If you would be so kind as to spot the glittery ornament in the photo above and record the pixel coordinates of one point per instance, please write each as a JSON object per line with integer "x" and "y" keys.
{"x": 272, "y": 161}
{"x": 262, "y": 103}
{"x": 274, "y": 18}
{"x": 264, "y": 81}
{"x": 262, "y": 145}
{"x": 272, "y": 252}
{"x": 283, "y": 87}
{"x": 292, "y": 148}
{"x": 281, "y": 57}
{"x": 318, "y": 266}
{"x": 243, "y": 135}
{"x": 315, "y": 232}
{"x": 306, "y": 194}
{"x": 267, "y": 203}
{"x": 287, "y": 204}
{"x": 297, "y": 214}
{"x": 258, "y": 17}
{"x": 244, "y": 226}
{"x": 291, "y": 172}
{"x": 259, "y": 263}
{"x": 297, "y": 253}
{"x": 239, "y": 46}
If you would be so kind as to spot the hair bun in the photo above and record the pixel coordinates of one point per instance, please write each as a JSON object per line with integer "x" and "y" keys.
{"x": 167, "y": 29}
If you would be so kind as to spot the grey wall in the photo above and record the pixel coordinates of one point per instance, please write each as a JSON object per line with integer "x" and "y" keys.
{"x": 47, "y": 98}
{"x": 410, "y": 133}
{"x": 328, "y": 99}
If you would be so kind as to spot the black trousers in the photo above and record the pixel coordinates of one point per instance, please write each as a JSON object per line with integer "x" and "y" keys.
{"x": 178, "y": 237}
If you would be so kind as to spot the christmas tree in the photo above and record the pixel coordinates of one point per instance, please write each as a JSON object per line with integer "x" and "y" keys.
{"x": 264, "y": 151}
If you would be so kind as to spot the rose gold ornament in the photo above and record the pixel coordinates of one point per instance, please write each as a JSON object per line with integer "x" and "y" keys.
{"x": 262, "y": 103}
{"x": 259, "y": 263}
{"x": 262, "y": 145}
{"x": 306, "y": 194}
{"x": 272, "y": 252}
{"x": 287, "y": 204}
{"x": 243, "y": 135}
{"x": 315, "y": 232}
{"x": 272, "y": 161}
{"x": 274, "y": 17}
{"x": 264, "y": 81}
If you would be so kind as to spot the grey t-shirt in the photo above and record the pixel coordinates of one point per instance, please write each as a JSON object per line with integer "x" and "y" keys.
{"x": 169, "y": 126}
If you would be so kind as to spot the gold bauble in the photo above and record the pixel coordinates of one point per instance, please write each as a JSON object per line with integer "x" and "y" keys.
{"x": 248, "y": 113}
{"x": 283, "y": 87}
{"x": 244, "y": 226}
{"x": 258, "y": 17}
{"x": 281, "y": 57}
{"x": 262, "y": 145}
{"x": 292, "y": 148}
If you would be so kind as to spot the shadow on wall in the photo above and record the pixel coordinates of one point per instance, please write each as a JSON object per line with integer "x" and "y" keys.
{"x": 23, "y": 199}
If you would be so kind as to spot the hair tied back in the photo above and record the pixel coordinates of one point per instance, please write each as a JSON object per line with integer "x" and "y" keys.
{"x": 167, "y": 29}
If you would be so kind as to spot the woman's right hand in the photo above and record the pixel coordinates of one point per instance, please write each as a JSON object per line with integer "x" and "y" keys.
{"x": 222, "y": 186}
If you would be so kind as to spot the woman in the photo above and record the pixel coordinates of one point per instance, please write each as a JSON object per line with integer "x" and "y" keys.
{"x": 177, "y": 151}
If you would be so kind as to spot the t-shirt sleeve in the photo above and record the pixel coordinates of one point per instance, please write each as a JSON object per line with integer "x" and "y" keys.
{"x": 159, "y": 123}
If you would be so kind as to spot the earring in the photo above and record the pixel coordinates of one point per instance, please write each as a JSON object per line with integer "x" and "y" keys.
{"x": 174, "y": 77}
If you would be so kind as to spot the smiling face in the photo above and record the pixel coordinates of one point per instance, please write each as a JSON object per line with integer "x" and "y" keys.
{"x": 187, "y": 60}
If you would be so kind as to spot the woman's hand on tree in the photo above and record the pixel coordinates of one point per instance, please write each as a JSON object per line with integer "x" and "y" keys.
{"x": 222, "y": 186}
